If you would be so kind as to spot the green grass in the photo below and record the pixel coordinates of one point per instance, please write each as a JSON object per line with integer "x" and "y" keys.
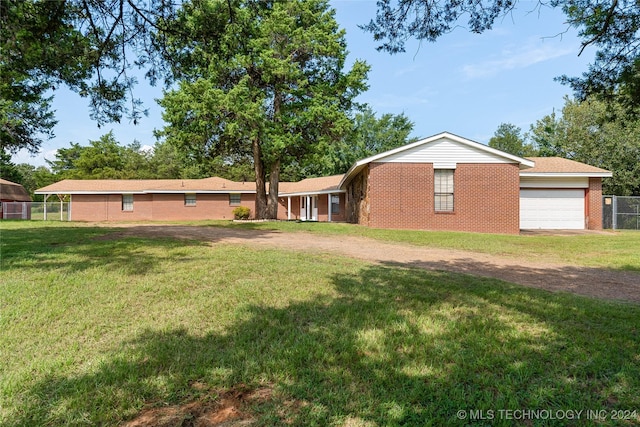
{"x": 95, "y": 328}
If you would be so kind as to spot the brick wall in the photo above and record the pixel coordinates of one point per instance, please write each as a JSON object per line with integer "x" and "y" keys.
{"x": 208, "y": 206}
{"x": 486, "y": 198}
{"x": 594, "y": 204}
{"x": 108, "y": 207}
{"x": 159, "y": 207}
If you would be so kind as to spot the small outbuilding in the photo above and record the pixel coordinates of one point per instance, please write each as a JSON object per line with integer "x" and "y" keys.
{"x": 15, "y": 201}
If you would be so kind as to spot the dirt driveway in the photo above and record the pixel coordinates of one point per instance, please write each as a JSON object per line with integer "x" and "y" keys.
{"x": 588, "y": 281}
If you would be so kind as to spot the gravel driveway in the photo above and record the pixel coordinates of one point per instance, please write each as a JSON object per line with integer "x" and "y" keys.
{"x": 594, "y": 282}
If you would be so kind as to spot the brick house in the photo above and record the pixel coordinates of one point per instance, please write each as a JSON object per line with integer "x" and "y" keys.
{"x": 152, "y": 199}
{"x": 444, "y": 182}
{"x": 312, "y": 199}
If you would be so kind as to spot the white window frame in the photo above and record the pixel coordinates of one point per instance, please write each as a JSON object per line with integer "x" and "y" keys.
{"x": 190, "y": 199}
{"x": 232, "y": 202}
{"x": 444, "y": 190}
{"x": 127, "y": 202}
{"x": 335, "y": 202}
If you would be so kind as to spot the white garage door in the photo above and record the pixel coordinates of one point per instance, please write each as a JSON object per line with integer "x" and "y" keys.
{"x": 552, "y": 209}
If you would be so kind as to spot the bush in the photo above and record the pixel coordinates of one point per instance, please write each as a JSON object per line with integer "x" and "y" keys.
{"x": 241, "y": 212}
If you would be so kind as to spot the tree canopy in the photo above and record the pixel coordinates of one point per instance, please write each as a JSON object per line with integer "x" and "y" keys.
{"x": 260, "y": 80}
{"x": 509, "y": 138}
{"x": 597, "y": 134}
{"x": 368, "y": 135}
{"x": 612, "y": 26}
{"x": 90, "y": 46}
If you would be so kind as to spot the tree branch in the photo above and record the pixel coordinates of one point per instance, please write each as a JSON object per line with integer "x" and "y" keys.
{"x": 604, "y": 29}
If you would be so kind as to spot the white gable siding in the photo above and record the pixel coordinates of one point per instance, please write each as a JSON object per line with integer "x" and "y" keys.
{"x": 564, "y": 182}
{"x": 444, "y": 153}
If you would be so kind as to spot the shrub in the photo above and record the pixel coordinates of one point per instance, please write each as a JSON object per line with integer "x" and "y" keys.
{"x": 241, "y": 212}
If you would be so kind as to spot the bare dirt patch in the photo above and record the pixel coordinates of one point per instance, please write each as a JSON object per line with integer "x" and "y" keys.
{"x": 228, "y": 409}
{"x": 594, "y": 282}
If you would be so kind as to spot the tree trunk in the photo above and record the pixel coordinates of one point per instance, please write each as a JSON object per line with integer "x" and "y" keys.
{"x": 261, "y": 191}
{"x": 274, "y": 173}
{"x": 274, "y": 179}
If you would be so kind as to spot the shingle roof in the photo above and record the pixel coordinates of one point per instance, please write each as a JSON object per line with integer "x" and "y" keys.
{"x": 67, "y": 186}
{"x": 203, "y": 185}
{"x": 13, "y": 192}
{"x": 213, "y": 184}
{"x": 322, "y": 184}
{"x": 560, "y": 165}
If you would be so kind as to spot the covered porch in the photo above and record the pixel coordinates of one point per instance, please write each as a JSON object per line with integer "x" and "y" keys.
{"x": 313, "y": 199}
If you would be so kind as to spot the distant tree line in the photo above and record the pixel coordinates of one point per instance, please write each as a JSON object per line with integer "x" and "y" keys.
{"x": 593, "y": 131}
{"x": 106, "y": 158}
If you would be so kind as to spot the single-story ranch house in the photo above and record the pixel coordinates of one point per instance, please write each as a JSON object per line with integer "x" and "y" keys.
{"x": 444, "y": 182}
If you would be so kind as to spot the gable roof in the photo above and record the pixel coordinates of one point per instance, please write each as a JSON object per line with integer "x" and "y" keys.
{"x": 557, "y": 166}
{"x": 13, "y": 191}
{"x": 485, "y": 149}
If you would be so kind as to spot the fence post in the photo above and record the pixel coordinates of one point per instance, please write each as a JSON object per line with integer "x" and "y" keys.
{"x": 615, "y": 212}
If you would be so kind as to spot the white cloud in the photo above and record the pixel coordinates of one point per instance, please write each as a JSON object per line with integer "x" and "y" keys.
{"x": 515, "y": 58}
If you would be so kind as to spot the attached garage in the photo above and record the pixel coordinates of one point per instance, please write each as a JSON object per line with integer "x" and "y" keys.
{"x": 560, "y": 194}
{"x": 552, "y": 209}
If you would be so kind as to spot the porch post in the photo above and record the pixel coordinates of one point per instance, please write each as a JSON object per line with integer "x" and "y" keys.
{"x": 289, "y": 207}
{"x": 329, "y": 207}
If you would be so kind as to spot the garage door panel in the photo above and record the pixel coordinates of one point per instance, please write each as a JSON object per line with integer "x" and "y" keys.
{"x": 552, "y": 209}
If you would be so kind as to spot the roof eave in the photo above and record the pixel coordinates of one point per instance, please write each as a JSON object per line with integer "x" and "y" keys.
{"x": 72, "y": 192}
{"x": 566, "y": 174}
{"x": 310, "y": 193}
{"x": 225, "y": 191}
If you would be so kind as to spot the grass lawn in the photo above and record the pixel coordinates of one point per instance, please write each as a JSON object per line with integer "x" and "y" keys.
{"x": 95, "y": 329}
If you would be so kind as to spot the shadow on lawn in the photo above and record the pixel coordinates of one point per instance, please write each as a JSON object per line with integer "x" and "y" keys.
{"x": 395, "y": 346}
{"x": 118, "y": 248}
{"x": 589, "y": 281}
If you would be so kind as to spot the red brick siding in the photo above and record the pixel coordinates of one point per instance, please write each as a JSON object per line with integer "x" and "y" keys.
{"x": 108, "y": 207}
{"x": 486, "y": 198}
{"x": 295, "y": 207}
{"x": 208, "y": 206}
{"x": 594, "y": 204}
{"x": 160, "y": 207}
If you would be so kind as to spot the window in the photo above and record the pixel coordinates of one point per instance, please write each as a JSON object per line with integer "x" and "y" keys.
{"x": 190, "y": 199}
{"x": 443, "y": 186}
{"x": 127, "y": 202}
{"x": 234, "y": 198}
{"x": 335, "y": 204}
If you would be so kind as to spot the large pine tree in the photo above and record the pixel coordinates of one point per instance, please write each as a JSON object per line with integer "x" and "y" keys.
{"x": 261, "y": 79}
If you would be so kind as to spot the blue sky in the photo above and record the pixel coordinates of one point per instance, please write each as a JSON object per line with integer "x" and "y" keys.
{"x": 464, "y": 83}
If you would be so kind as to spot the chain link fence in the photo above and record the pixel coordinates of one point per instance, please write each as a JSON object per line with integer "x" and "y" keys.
{"x": 621, "y": 212}
{"x": 50, "y": 211}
